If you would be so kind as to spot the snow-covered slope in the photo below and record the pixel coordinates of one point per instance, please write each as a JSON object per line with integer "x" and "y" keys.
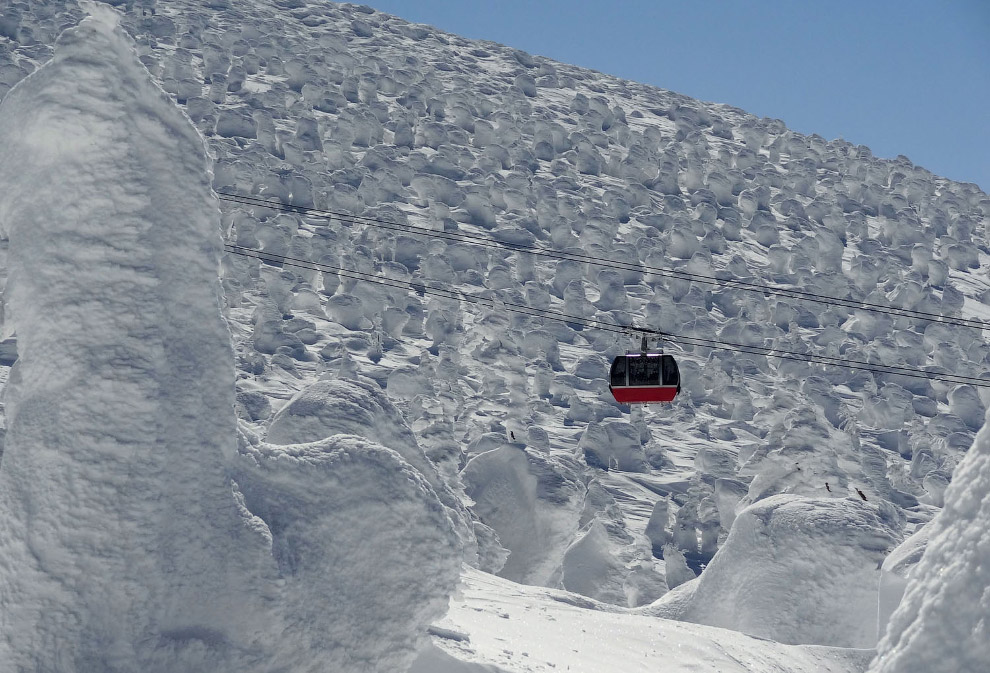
{"x": 496, "y": 626}
{"x": 544, "y": 478}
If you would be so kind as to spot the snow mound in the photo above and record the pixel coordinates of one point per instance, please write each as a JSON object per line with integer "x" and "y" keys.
{"x": 896, "y": 570}
{"x": 558, "y": 531}
{"x": 360, "y": 407}
{"x": 532, "y": 504}
{"x": 613, "y": 444}
{"x": 588, "y": 568}
{"x": 346, "y": 407}
{"x": 796, "y": 570}
{"x": 366, "y": 551}
{"x": 941, "y": 623}
{"x": 598, "y": 566}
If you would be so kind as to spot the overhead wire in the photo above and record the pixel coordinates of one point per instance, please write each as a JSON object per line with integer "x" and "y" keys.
{"x": 422, "y": 288}
{"x": 473, "y": 239}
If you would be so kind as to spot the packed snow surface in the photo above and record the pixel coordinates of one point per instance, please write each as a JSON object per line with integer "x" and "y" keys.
{"x": 386, "y": 432}
{"x": 496, "y": 626}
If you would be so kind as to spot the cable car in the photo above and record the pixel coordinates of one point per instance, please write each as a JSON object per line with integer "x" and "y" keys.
{"x": 644, "y": 378}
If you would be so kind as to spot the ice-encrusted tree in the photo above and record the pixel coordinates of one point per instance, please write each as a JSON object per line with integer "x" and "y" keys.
{"x": 135, "y": 533}
{"x": 941, "y": 624}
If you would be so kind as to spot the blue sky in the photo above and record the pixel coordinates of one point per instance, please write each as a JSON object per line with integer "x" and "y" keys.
{"x": 900, "y": 76}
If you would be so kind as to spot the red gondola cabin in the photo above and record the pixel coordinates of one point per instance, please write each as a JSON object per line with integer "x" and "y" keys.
{"x": 644, "y": 378}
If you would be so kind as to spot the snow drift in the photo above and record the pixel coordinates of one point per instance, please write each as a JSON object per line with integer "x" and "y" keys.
{"x": 495, "y": 626}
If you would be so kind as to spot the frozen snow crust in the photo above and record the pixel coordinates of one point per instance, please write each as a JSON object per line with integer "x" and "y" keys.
{"x": 124, "y": 544}
{"x": 343, "y": 108}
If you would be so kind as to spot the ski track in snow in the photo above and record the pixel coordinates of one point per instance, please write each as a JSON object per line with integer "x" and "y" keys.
{"x": 343, "y": 108}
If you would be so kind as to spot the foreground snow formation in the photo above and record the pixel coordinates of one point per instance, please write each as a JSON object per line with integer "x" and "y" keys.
{"x": 124, "y": 544}
{"x": 897, "y": 568}
{"x": 943, "y": 622}
{"x": 558, "y": 532}
{"x": 795, "y": 570}
{"x": 365, "y": 551}
{"x": 360, "y": 407}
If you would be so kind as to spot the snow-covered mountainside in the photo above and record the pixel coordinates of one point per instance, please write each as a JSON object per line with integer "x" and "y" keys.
{"x": 390, "y": 151}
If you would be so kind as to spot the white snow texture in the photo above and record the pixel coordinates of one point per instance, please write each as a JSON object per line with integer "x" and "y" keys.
{"x": 360, "y": 407}
{"x": 124, "y": 545}
{"x": 943, "y": 622}
{"x": 285, "y": 470}
{"x": 769, "y": 578}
